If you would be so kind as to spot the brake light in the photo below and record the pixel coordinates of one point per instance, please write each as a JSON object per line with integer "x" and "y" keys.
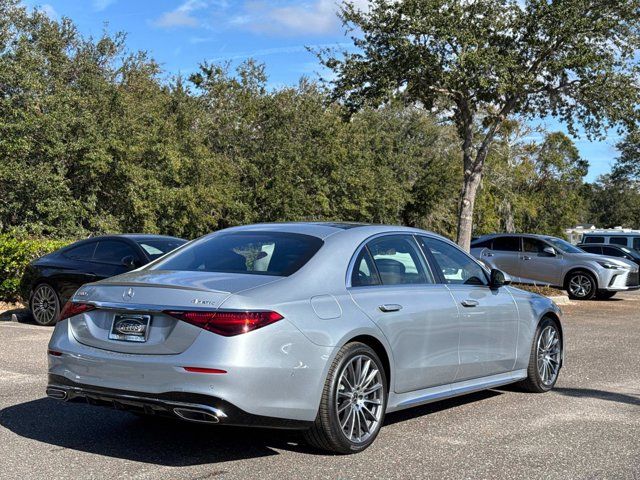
{"x": 74, "y": 308}
{"x": 224, "y": 323}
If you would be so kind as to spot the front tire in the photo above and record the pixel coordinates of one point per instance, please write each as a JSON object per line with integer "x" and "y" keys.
{"x": 581, "y": 286}
{"x": 45, "y": 305}
{"x": 353, "y": 402}
{"x": 545, "y": 358}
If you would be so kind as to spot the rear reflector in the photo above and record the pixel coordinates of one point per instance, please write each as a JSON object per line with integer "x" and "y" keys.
{"x": 53, "y": 353}
{"x": 226, "y": 323}
{"x": 74, "y": 308}
{"x": 204, "y": 370}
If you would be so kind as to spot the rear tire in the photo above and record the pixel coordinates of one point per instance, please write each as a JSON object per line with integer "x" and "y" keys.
{"x": 605, "y": 294}
{"x": 353, "y": 403}
{"x": 545, "y": 358}
{"x": 45, "y": 305}
{"x": 581, "y": 285}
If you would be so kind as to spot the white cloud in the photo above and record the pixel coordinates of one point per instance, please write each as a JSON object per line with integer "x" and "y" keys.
{"x": 99, "y": 5}
{"x": 49, "y": 11}
{"x": 279, "y": 17}
{"x": 184, "y": 15}
{"x": 316, "y": 17}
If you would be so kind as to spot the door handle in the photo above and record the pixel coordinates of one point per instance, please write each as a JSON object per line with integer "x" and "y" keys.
{"x": 487, "y": 254}
{"x": 526, "y": 257}
{"x": 390, "y": 307}
{"x": 469, "y": 303}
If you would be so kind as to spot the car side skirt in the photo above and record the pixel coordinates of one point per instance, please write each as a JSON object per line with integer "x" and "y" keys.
{"x": 433, "y": 394}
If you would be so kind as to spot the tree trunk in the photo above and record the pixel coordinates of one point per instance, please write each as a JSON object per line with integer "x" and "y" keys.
{"x": 470, "y": 186}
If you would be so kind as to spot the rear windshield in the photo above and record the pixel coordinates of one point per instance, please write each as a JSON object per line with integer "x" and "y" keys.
{"x": 256, "y": 253}
{"x": 156, "y": 248}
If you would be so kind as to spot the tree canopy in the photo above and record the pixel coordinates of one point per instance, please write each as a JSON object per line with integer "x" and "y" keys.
{"x": 96, "y": 139}
{"x": 479, "y": 63}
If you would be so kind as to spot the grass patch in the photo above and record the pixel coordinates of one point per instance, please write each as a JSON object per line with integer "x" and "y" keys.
{"x": 540, "y": 289}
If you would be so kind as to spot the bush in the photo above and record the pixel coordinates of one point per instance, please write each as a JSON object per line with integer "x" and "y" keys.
{"x": 15, "y": 255}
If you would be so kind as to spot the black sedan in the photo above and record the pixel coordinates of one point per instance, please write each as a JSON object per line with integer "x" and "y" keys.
{"x": 611, "y": 250}
{"x": 51, "y": 280}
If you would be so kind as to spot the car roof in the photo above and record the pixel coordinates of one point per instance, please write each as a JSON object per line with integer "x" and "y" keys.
{"x": 323, "y": 230}
{"x": 498, "y": 235}
{"x": 136, "y": 237}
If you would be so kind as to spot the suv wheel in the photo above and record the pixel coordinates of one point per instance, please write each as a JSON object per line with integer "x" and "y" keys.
{"x": 353, "y": 402}
{"x": 45, "y": 305}
{"x": 581, "y": 286}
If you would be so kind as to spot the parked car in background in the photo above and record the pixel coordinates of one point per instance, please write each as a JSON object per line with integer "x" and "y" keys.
{"x": 624, "y": 238}
{"x": 611, "y": 250}
{"x": 546, "y": 260}
{"x": 322, "y": 327}
{"x": 51, "y": 280}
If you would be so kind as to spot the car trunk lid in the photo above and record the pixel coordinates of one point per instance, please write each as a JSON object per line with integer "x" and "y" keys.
{"x": 137, "y": 301}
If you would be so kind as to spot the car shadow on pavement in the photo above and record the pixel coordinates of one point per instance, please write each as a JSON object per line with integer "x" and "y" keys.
{"x": 163, "y": 441}
{"x": 599, "y": 394}
{"x": 435, "y": 407}
{"x": 160, "y": 441}
{"x": 23, "y": 315}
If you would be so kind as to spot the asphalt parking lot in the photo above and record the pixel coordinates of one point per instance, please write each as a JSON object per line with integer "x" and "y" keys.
{"x": 588, "y": 427}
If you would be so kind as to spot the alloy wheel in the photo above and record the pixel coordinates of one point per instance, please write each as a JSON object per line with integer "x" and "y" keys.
{"x": 359, "y": 399}
{"x": 44, "y": 305}
{"x": 580, "y": 285}
{"x": 548, "y": 355}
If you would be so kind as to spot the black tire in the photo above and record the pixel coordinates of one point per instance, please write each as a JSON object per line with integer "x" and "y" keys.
{"x": 45, "y": 305}
{"x": 605, "y": 294}
{"x": 327, "y": 432}
{"x": 584, "y": 278}
{"x": 534, "y": 382}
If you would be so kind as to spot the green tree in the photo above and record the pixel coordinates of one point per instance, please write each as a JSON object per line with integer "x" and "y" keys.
{"x": 478, "y": 63}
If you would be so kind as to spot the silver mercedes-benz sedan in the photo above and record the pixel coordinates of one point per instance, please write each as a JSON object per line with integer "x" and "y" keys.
{"x": 322, "y": 327}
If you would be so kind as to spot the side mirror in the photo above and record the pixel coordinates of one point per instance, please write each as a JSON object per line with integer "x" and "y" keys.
{"x": 498, "y": 278}
{"x": 549, "y": 251}
{"x": 129, "y": 261}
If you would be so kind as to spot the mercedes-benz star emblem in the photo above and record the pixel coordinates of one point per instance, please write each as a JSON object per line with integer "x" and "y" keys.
{"x": 128, "y": 294}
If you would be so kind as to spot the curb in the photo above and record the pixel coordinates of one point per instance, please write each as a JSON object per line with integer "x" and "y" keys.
{"x": 561, "y": 300}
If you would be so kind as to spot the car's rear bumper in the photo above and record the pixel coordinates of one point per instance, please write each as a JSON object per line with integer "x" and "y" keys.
{"x": 272, "y": 372}
{"x": 192, "y": 407}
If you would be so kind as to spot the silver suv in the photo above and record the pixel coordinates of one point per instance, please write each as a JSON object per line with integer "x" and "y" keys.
{"x": 544, "y": 260}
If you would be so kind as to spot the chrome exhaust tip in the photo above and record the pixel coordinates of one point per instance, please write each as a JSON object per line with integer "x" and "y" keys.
{"x": 57, "y": 393}
{"x": 194, "y": 415}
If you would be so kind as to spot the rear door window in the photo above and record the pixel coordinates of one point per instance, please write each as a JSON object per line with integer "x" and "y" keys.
{"x": 506, "y": 244}
{"x": 636, "y": 243}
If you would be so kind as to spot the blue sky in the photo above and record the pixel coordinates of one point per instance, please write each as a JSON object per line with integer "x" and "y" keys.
{"x": 182, "y": 33}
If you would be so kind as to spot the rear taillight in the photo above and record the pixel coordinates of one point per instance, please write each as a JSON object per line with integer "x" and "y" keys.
{"x": 226, "y": 323}
{"x": 74, "y": 308}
